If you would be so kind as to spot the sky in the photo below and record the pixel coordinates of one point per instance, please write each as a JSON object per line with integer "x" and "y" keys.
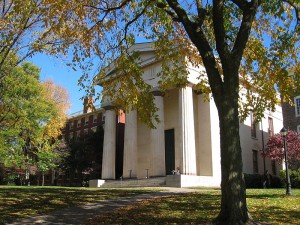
{"x": 55, "y": 69}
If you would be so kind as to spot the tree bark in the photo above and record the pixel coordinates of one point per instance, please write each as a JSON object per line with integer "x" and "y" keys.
{"x": 233, "y": 201}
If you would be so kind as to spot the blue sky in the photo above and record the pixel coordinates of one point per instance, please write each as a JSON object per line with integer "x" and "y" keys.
{"x": 55, "y": 69}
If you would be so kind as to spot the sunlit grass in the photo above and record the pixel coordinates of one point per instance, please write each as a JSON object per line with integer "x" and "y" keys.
{"x": 272, "y": 205}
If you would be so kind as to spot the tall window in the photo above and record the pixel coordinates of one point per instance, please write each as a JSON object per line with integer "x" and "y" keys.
{"x": 273, "y": 164}
{"x": 271, "y": 127}
{"x": 253, "y": 125}
{"x": 255, "y": 161}
{"x": 297, "y": 105}
{"x": 298, "y": 128}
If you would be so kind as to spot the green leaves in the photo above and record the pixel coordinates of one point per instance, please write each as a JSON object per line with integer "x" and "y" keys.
{"x": 30, "y": 111}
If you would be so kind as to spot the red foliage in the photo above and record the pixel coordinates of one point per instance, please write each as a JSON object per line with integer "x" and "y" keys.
{"x": 274, "y": 148}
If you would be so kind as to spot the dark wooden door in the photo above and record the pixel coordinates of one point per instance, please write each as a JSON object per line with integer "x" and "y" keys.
{"x": 170, "y": 151}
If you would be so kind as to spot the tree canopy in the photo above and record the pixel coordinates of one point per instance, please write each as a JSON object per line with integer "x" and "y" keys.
{"x": 250, "y": 42}
{"x": 275, "y": 149}
{"x": 23, "y": 32}
{"x": 31, "y": 112}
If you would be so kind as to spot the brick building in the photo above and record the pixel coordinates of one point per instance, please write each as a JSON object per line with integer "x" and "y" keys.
{"x": 84, "y": 122}
{"x": 291, "y": 114}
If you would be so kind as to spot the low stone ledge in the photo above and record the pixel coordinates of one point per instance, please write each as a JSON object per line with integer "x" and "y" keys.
{"x": 96, "y": 183}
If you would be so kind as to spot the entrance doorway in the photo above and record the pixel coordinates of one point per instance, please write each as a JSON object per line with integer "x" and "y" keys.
{"x": 170, "y": 151}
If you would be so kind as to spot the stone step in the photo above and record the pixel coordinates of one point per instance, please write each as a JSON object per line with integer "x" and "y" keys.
{"x": 150, "y": 182}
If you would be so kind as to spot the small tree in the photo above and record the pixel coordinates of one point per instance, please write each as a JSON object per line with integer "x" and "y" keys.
{"x": 275, "y": 151}
{"x": 45, "y": 159}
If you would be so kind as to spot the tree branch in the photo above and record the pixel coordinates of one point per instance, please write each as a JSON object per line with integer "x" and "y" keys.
{"x": 219, "y": 31}
{"x": 164, "y": 6}
{"x": 242, "y": 4}
{"x": 296, "y": 8}
{"x": 244, "y": 31}
{"x": 197, "y": 36}
{"x": 180, "y": 12}
{"x": 109, "y": 9}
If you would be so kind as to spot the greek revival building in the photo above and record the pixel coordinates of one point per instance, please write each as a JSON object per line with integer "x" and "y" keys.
{"x": 185, "y": 146}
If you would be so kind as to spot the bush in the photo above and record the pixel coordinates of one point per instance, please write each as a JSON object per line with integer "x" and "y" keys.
{"x": 253, "y": 180}
{"x": 276, "y": 182}
{"x": 10, "y": 179}
{"x": 1, "y": 175}
{"x": 256, "y": 181}
{"x": 294, "y": 177}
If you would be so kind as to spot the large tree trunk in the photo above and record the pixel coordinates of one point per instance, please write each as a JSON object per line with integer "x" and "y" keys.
{"x": 233, "y": 202}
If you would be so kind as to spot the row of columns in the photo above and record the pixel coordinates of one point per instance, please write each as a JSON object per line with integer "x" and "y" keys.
{"x": 157, "y": 140}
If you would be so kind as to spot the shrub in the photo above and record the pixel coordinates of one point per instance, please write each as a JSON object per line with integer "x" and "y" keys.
{"x": 10, "y": 179}
{"x": 256, "y": 181}
{"x": 253, "y": 180}
{"x": 276, "y": 182}
{"x": 294, "y": 177}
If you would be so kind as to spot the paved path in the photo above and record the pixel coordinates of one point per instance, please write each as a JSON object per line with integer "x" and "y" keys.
{"x": 79, "y": 214}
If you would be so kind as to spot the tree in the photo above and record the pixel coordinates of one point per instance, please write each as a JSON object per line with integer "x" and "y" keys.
{"x": 23, "y": 32}
{"x": 23, "y": 109}
{"x": 52, "y": 150}
{"x": 275, "y": 151}
{"x": 251, "y": 43}
{"x": 45, "y": 159}
{"x": 60, "y": 97}
{"x": 32, "y": 115}
{"x": 86, "y": 154}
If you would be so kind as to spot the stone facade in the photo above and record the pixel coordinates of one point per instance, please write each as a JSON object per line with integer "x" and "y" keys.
{"x": 187, "y": 139}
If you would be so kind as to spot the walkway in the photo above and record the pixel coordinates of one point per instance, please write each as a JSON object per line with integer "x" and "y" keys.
{"x": 79, "y": 214}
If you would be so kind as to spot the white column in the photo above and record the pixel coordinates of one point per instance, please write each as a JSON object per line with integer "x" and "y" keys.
{"x": 187, "y": 131}
{"x": 130, "y": 146}
{"x": 205, "y": 167}
{"x": 157, "y": 137}
{"x": 109, "y": 145}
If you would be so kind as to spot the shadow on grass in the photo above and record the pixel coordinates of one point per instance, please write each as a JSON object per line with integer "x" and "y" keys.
{"x": 19, "y": 202}
{"x": 268, "y": 207}
{"x": 192, "y": 208}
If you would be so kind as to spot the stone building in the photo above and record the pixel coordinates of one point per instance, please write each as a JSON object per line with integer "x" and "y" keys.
{"x": 187, "y": 140}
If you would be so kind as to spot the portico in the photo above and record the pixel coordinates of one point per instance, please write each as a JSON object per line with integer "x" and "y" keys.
{"x": 173, "y": 144}
{"x": 176, "y": 142}
{"x": 186, "y": 139}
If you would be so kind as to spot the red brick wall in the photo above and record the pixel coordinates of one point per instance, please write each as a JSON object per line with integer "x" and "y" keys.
{"x": 290, "y": 121}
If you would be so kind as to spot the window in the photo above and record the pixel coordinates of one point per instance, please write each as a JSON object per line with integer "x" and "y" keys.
{"x": 103, "y": 116}
{"x": 253, "y": 125}
{"x": 297, "y": 106}
{"x": 86, "y": 121}
{"x": 255, "y": 161}
{"x": 78, "y": 124}
{"x": 271, "y": 127}
{"x": 71, "y": 125}
{"x": 273, "y": 164}
{"x": 95, "y": 120}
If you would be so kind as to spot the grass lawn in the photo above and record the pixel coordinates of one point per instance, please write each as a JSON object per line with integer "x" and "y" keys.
{"x": 265, "y": 205}
{"x": 268, "y": 205}
{"x": 20, "y": 201}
